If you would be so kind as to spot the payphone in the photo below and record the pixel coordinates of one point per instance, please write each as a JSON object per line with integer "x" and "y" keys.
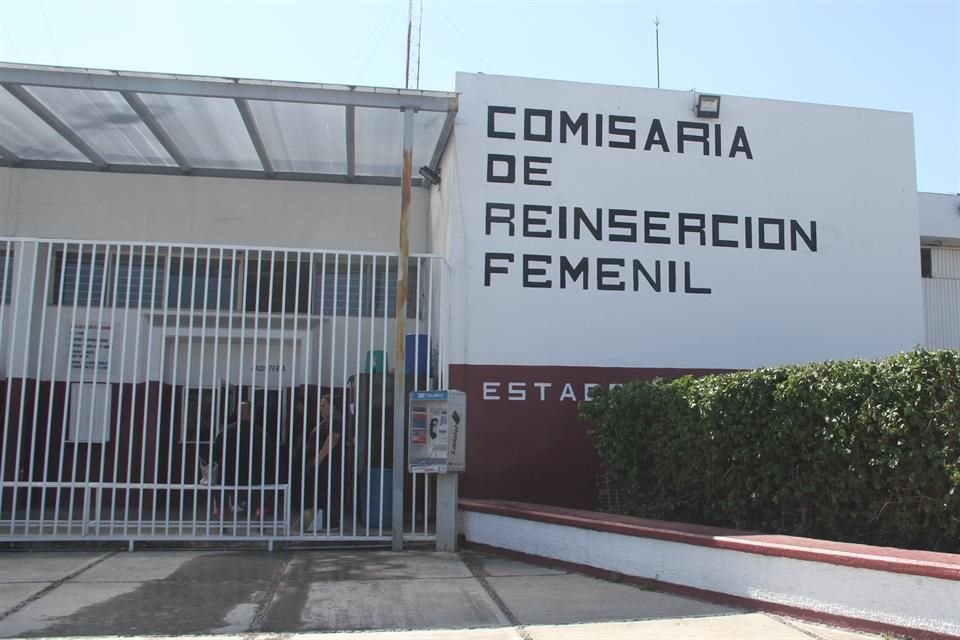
{"x": 438, "y": 431}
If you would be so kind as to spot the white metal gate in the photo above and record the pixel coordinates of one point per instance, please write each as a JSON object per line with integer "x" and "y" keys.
{"x": 178, "y": 392}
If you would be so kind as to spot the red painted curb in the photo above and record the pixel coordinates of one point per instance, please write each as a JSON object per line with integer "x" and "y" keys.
{"x": 929, "y": 564}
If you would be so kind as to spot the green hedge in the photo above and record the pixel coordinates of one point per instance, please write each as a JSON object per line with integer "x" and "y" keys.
{"x": 853, "y": 450}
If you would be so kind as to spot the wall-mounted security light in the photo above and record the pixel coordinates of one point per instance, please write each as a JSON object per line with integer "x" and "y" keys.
{"x": 431, "y": 176}
{"x": 708, "y": 106}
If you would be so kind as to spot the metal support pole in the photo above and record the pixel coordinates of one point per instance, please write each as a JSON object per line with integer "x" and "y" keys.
{"x": 447, "y": 511}
{"x": 400, "y": 360}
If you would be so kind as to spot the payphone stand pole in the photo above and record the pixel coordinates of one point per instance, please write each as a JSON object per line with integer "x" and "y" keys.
{"x": 447, "y": 486}
{"x": 400, "y": 359}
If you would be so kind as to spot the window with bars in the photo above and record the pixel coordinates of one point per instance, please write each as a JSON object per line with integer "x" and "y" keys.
{"x": 86, "y": 278}
{"x": 363, "y": 286}
{"x": 199, "y": 283}
{"x": 276, "y": 285}
{"x": 80, "y": 279}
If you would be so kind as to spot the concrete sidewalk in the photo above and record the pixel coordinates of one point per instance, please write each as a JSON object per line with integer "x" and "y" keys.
{"x": 336, "y": 594}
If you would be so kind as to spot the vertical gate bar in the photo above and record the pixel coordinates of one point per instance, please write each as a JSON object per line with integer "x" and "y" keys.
{"x": 341, "y": 416}
{"x": 383, "y": 400}
{"x": 351, "y": 411}
{"x": 431, "y": 384}
{"x": 181, "y": 430}
{"x": 9, "y": 343}
{"x": 239, "y": 299}
{"x": 114, "y": 442}
{"x": 334, "y": 343}
{"x": 399, "y": 383}
{"x": 266, "y": 386}
{"x": 218, "y": 402}
{"x": 294, "y": 484}
{"x": 36, "y": 395}
{"x": 55, "y": 357}
{"x": 291, "y": 404}
{"x": 64, "y": 256}
{"x": 254, "y": 374}
{"x": 82, "y": 375}
{"x": 23, "y": 385}
{"x": 121, "y": 386}
{"x": 304, "y": 452}
{"x": 174, "y": 351}
{"x": 161, "y": 329}
{"x": 369, "y": 366}
{"x": 284, "y": 392}
{"x": 11, "y": 356}
{"x": 198, "y": 443}
{"x": 235, "y": 273}
{"x": 96, "y": 363}
{"x": 136, "y": 365}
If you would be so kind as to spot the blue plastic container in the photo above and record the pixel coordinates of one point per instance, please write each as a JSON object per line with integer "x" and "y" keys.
{"x": 372, "y": 511}
{"x": 418, "y": 354}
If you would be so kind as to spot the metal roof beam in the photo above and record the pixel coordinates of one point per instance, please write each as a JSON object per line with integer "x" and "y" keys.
{"x": 231, "y": 88}
{"x": 445, "y": 134}
{"x": 55, "y": 123}
{"x": 250, "y": 122}
{"x": 204, "y": 172}
{"x": 150, "y": 120}
{"x": 10, "y": 156}
{"x": 351, "y": 127}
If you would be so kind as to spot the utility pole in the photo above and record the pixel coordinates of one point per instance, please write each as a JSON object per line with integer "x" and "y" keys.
{"x": 656, "y": 22}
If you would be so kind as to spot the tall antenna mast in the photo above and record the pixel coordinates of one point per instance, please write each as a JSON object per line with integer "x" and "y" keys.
{"x": 414, "y": 20}
{"x": 656, "y": 22}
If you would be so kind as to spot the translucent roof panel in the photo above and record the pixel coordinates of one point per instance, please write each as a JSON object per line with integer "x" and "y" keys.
{"x": 26, "y": 135}
{"x": 105, "y": 121}
{"x": 379, "y": 140}
{"x": 208, "y": 131}
{"x": 308, "y": 138}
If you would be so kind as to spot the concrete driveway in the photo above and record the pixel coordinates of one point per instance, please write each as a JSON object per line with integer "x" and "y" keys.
{"x": 338, "y": 594}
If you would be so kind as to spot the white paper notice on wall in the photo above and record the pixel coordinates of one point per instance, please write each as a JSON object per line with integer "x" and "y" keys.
{"x": 90, "y": 347}
{"x": 89, "y": 412}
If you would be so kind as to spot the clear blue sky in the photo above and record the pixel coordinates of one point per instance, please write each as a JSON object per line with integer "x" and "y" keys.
{"x": 902, "y": 56}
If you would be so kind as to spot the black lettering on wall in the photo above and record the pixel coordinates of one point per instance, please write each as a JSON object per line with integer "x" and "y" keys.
{"x": 530, "y": 272}
{"x": 692, "y": 222}
{"x": 506, "y": 218}
{"x": 614, "y": 130}
{"x": 529, "y": 170}
{"x": 492, "y": 131}
{"x": 562, "y": 219}
{"x": 715, "y": 221}
{"x": 507, "y": 166}
{"x": 689, "y": 288}
{"x": 639, "y": 269}
{"x": 488, "y": 267}
{"x": 809, "y": 240}
{"x": 649, "y": 227}
{"x": 717, "y": 140}
{"x": 740, "y": 144}
{"x": 546, "y": 118}
{"x": 614, "y": 222}
{"x": 580, "y": 124}
{"x": 603, "y": 274}
{"x": 655, "y": 136}
{"x": 581, "y": 219}
{"x": 531, "y": 220}
{"x": 582, "y": 270}
{"x": 671, "y": 276}
{"x": 598, "y": 129}
{"x": 748, "y": 232}
{"x": 763, "y": 242}
{"x": 693, "y": 132}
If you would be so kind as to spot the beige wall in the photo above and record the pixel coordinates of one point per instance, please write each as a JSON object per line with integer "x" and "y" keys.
{"x": 104, "y": 206}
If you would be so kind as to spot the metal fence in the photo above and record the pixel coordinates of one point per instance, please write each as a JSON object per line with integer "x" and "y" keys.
{"x": 183, "y": 392}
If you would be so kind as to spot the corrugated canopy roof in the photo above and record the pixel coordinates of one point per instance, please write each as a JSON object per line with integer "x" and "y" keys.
{"x": 87, "y": 119}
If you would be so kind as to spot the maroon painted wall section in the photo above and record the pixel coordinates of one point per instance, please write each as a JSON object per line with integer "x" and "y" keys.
{"x": 525, "y": 440}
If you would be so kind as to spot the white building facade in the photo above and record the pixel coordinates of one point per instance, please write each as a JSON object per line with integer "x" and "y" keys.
{"x": 240, "y": 243}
